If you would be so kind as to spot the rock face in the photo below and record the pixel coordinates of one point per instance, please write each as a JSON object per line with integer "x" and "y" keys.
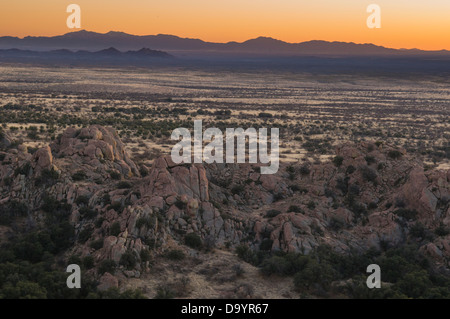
{"x": 5, "y": 140}
{"x": 355, "y": 206}
{"x": 42, "y": 159}
{"x": 94, "y": 146}
{"x": 107, "y": 281}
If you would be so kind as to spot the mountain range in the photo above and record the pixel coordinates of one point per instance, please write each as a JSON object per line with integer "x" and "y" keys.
{"x": 261, "y": 46}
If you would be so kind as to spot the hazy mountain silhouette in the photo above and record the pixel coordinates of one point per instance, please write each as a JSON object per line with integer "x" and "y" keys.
{"x": 109, "y": 56}
{"x": 87, "y": 40}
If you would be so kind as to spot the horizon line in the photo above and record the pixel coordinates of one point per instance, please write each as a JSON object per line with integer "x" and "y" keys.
{"x": 188, "y": 38}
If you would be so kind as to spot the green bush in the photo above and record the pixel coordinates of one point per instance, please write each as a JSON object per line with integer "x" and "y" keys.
{"x": 79, "y": 176}
{"x": 115, "y": 175}
{"x": 87, "y": 213}
{"x": 311, "y": 205}
{"x": 193, "y": 240}
{"x": 247, "y": 255}
{"x": 314, "y": 273}
{"x": 369, "y": 174}
{"x": 394, "y": 154}
{"x": 107, "y": 265}
{"x": 175, "y": 254}
{"x": 48, "y": 177}
{"x": 272, "y": 213}
{"x": 266, "y": 244}
{"x": 164, "y": 292}
{"x": 406, "y": 213}
{"x": 88, "y": 262}
{"x": 82, "y": 200}
{"x": 304, "y": 170}
{"x": 128, "y": 260}
{"x": 338, "y": 160}
{"x": 145, "y": 255}
{"x": 84, "y": 235}
{"x": 23, "y": 170}
{"x": 370, "y": 159}
{"x": 294, "y": 209}
{"x": 123, "y": 185}
{"x": 180, "y": 204}
{"x": 97, "y": 244}
{"x": 115, "y": 229}
{"x": 442, "y": 230}
{"x": 148, "y": 222}
{"x": 238, "y": 189}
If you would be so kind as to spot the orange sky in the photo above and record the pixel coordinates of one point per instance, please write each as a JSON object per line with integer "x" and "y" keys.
{"x": 423, "y": 24}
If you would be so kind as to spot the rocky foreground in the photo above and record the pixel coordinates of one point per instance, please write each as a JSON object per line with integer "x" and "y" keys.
{"x": 371, "y": 195}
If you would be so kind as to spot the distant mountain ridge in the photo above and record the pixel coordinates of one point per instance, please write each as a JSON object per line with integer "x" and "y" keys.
{"x": 109, "y": 55}
{"x": 88, "y": 40}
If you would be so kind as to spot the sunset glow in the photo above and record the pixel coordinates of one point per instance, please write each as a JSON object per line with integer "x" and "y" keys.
{"x": 405, "y": 23}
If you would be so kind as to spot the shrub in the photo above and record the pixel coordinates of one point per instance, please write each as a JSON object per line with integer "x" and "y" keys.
{"x": 264, "y": 115}
{"x": 99, "y": 222}
{"x": 115, "y": 229}
{"x": 238, "y": 270}
{"x": 128, "y": 260}
{"x": 117, "y": 207}
{"x": 180, "y": 204}
{"x": 314, "y": 273}
{"x": 442, "y": 231}
{"x": 406, "y": 213}
{"x": 266, "y": 244}
{"x": 145, "y": 255}
{"x": 87, "y": 213}
{"x": 84, "y": 235}
{"x": 123, "y": 185}
{"x": 336, "y": 224}
{"x": 88, "y": 262}
{"x": 294, "y": 209}
{"x": 79, "y": 176}
{"x": 148, "y": 222}
{"x": 175, "y": 254}
{"x": 74, "y": 259}
{"x": 369, "y": 174}
{"x": 11, "y": 210}
{"x": 311, "y": 205}
{"x": 350, "y": 170}
{"x": 272, "y": 213}
{"x": 48, "y": 177}
{"x": 354, "y": 189}
{"x": 394, "y": 154}
{"x": 50, "y": 204}
{"x": 107, "y": 265}
{"x": 97, "y": 244}
{"x": 419, "y": 231}
{"x": 370, "y": 159}
{"x": 337, "y": 161}
{"x": 115, "y": 175}
{"x": 304, "y": 170}
{"x": 164, "y": 292}
{"x": 82, "y": 200}
{"x": 237, "y": 189}
{"x": 23, "y": 170}
{"x": 372, "y": 205}
{"x": 193, "y": 240}
{"x": 246, "y": 254}
{"x": 284, "y": 265}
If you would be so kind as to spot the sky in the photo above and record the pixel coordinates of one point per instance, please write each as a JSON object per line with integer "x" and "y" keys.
{"x": 423, "y": 24}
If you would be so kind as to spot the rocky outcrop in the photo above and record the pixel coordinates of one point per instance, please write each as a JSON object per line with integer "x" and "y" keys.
{"x": 96, "y": 146}
{"x": 107, "y": 281}
{"x": 352, "y": 206}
